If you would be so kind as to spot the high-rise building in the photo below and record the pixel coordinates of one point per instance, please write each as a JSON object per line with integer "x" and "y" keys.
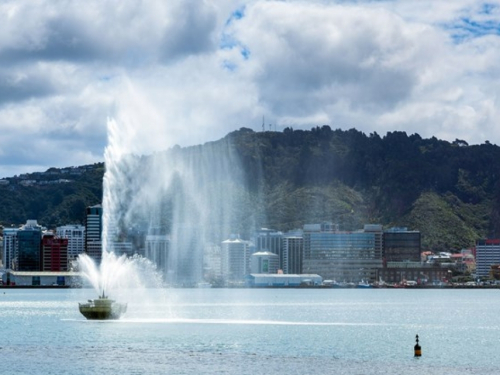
{"x": 269, "y": 240}
{"x": 93, "y": 233}
{"x": 293, "y": 251}
{"x": 487, "y": 254}
{"x": 401, "y": 245}
{"x": 235, "y": 258}
{"x": 54, "y": 253}
{"x": 28, "y": 255}
{"x": 9, "y": 247}
{"x": 342, "y": 256}
{"x": 75, "y": 234}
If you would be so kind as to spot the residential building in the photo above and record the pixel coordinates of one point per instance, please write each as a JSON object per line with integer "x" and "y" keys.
{"x": 9, "y": 247}
{"x": 487, "y": 255}
{"x": 75, "y": 234}
{"x": 54, "y": 253}
{"x": 235, "y": 258}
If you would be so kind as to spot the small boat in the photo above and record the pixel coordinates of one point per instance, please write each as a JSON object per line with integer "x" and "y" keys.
{"x": 102, "y": 308}
{"x": 364, "y": 284}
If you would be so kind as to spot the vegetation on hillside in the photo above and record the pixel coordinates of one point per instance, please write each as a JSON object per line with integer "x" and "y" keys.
{"x": 450, "y": 191}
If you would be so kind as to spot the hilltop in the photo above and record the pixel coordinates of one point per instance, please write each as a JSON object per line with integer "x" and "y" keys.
{"x": 450, "y": 191}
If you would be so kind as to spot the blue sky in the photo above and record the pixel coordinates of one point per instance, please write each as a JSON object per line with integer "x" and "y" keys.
{"x": 190, "y": 71}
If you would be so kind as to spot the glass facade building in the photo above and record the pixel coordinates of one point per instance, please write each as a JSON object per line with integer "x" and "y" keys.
{"x": 401, "y": 245}
{"x": 343, "y": 256}
{"x": 29, "y": 248}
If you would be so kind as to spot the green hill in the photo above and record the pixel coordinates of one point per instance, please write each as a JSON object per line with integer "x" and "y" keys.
{"x": 450, "y": 191}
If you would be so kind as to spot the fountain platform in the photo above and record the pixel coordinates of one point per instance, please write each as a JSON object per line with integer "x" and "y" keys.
{"x": 102, "y": 308}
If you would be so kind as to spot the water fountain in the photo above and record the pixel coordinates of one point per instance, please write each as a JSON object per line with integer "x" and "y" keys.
{"x": 182, "y": 200}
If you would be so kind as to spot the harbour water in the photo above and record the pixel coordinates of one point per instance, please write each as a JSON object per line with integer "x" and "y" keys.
{"x": 253, "y": 331}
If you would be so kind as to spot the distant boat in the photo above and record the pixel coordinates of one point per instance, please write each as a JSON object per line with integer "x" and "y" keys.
{"x": 102, "y": 308}
{"x": 363, "y": 284}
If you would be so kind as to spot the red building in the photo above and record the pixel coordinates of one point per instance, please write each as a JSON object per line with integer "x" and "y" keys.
{"x": 54, "y": 253}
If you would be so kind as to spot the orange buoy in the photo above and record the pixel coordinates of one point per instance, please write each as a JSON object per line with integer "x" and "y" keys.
{"x": 418, "y": 349}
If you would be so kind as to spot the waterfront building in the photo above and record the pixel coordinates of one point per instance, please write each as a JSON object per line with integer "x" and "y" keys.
{"x": 264, "y": 262}
{"x": 54, "y": 253}
{"x": 9, "y": 247}
{"x": 93, "y": 233}
{"x": 400, "y": 244}
{"x": 342, "y": 256}
{"x": 235, "y": 258}
{"x": 75, "y": 234}
{"x": 28, "y": 255}
{"x": 39, "y": 278}
{"x": 421, "y": 273}
{"x": 487, "y": 254}
{"x": 282, "y": 280}
{"x": 293, "y": 251}
{"x": 269, "y": 240}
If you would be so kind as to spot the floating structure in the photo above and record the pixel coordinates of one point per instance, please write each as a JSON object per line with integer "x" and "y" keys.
{"x": 102, "y": 308}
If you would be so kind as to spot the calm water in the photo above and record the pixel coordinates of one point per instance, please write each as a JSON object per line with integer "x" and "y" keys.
{"x": 245, "y": 331}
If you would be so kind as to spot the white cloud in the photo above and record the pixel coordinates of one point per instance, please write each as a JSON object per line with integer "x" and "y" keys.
{"x": 187, "y": 72}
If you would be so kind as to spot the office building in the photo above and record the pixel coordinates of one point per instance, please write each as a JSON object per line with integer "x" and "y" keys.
{"x": 293, "y": 252}
{"x": 29, "y": 250}
{"x": 75, "y": 234}
{"x": 269, "y": 240}
{"x": 93, "y": 233}
{"x": 342, "y": 256}
{"x": 401, "y": 245}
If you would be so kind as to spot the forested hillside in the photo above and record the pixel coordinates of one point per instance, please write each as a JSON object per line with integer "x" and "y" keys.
{"x": 448, "y": 191}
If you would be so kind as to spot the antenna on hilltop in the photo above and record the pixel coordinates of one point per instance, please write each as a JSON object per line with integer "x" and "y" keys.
{"x": 263, "y": 123}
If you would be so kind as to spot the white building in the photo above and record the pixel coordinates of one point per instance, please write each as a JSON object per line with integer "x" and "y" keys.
{"x": 264, "y": 262}
{"x": 76, "y": 240}
{"x": 235, "y": 258}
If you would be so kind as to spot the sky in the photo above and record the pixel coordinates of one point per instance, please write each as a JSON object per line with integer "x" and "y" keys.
{"x": 190, "y": 71}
